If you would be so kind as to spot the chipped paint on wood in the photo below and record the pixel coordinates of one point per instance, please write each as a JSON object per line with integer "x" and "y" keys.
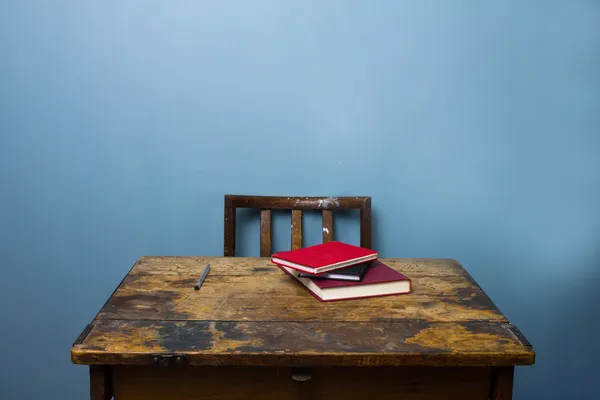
{"x": 328, "y": 202}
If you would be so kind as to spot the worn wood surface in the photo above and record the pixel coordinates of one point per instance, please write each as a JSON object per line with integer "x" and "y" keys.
{"x": 296, "y": 229}
{"x": 100, "y": 382}
{"x": 249, "y": 313}
{"x": 255, "y": 289}
{"x": 296, "y": 204}
{"x": 270, "y": 383}
{"x": 303, "y": 343}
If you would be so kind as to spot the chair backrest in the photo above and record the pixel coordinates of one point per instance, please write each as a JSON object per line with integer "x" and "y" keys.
{"x": 296, "y": 204}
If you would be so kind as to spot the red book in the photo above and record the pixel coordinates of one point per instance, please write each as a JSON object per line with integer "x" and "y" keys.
{"x": 324, "y": 257}
{"x": 380, "y": 280}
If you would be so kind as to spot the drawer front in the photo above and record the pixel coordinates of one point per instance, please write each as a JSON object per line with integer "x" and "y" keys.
{"x": 232, "y": 383}
{"x": 402, "y": 383}
{"x": 191, "y": 383}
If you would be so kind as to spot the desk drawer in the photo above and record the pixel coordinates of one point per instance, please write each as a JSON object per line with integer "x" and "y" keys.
{"x": 265, "y": 383}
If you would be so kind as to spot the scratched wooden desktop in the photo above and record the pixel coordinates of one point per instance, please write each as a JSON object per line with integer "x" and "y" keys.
{"x": 252, "y": 332}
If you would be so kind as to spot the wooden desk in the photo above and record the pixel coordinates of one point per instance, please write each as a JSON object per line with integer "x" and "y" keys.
{"x": 252, "y": 332}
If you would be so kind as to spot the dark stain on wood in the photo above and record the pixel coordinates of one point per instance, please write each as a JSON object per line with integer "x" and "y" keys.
{"x": 520, "y": 336}
{"x": 474, "y": 298}
{"x": 184, "y": 335}
{"x": 418, "y": 341}
{"x": 86, "y": 331}
{"x": 148, "y": 302}
{"x": 248, "y": 313}
{"x": 234, "y": 330}
{"x": 254, "y": 289}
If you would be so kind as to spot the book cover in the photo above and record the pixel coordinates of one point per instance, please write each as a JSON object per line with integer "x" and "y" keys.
{"x": 324, "y": 257}
{"x": 380, "y": 280}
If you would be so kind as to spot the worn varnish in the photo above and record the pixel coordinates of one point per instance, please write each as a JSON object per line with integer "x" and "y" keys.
{"x": 250, "y": 313}
{"x": 413, "y": 342}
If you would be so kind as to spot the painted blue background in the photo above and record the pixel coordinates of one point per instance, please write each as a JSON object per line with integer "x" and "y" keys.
{"x": 474, "y": 126}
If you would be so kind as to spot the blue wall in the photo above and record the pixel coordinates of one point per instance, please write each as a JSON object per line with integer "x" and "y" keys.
{"x": 474, "y": 126}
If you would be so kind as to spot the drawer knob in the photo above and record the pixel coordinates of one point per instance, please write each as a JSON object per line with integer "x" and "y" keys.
{"x": 166, "y": 360}
{"x": 301, "y": 375}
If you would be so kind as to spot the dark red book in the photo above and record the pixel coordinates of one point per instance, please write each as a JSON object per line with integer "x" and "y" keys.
{"x": 380, "y": 280}
{"x": 324, "y": 257}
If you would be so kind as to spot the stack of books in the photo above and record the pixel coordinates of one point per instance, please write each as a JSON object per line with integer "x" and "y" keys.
{"x": 339, "y": 271}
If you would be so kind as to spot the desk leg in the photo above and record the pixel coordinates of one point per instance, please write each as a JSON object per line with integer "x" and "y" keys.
{"x": 100, "y": 382}
{"x": 502, "y": 383}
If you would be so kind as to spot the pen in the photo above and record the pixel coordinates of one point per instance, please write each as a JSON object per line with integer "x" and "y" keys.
{"x": 202, "y": 277}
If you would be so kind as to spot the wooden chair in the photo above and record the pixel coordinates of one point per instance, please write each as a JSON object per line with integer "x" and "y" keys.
{"x": 296, "y": 204}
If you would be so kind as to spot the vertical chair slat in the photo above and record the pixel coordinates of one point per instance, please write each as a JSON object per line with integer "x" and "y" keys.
{"x": 265, "y": 233}
{"x": 230, "y": 214}
{"x": 327, "y": 226}
{"x": 296, "y": 229}
{"x": 365, "y": 224}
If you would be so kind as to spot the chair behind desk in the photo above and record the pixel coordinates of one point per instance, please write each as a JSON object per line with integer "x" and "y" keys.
{"x": 296, "y": 204}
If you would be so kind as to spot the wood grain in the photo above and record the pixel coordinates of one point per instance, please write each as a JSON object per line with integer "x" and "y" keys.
{"x": 253, "y": 266}
{"x": 327, "y": 226}
{"x": 404, "y": 343}
{"x": 269, "y": 383}
{"x": 265, "y": 233}
{"x": 296, "y": 229}
{"x": 249, "y": 312}
{"x": 159, "y": 289}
